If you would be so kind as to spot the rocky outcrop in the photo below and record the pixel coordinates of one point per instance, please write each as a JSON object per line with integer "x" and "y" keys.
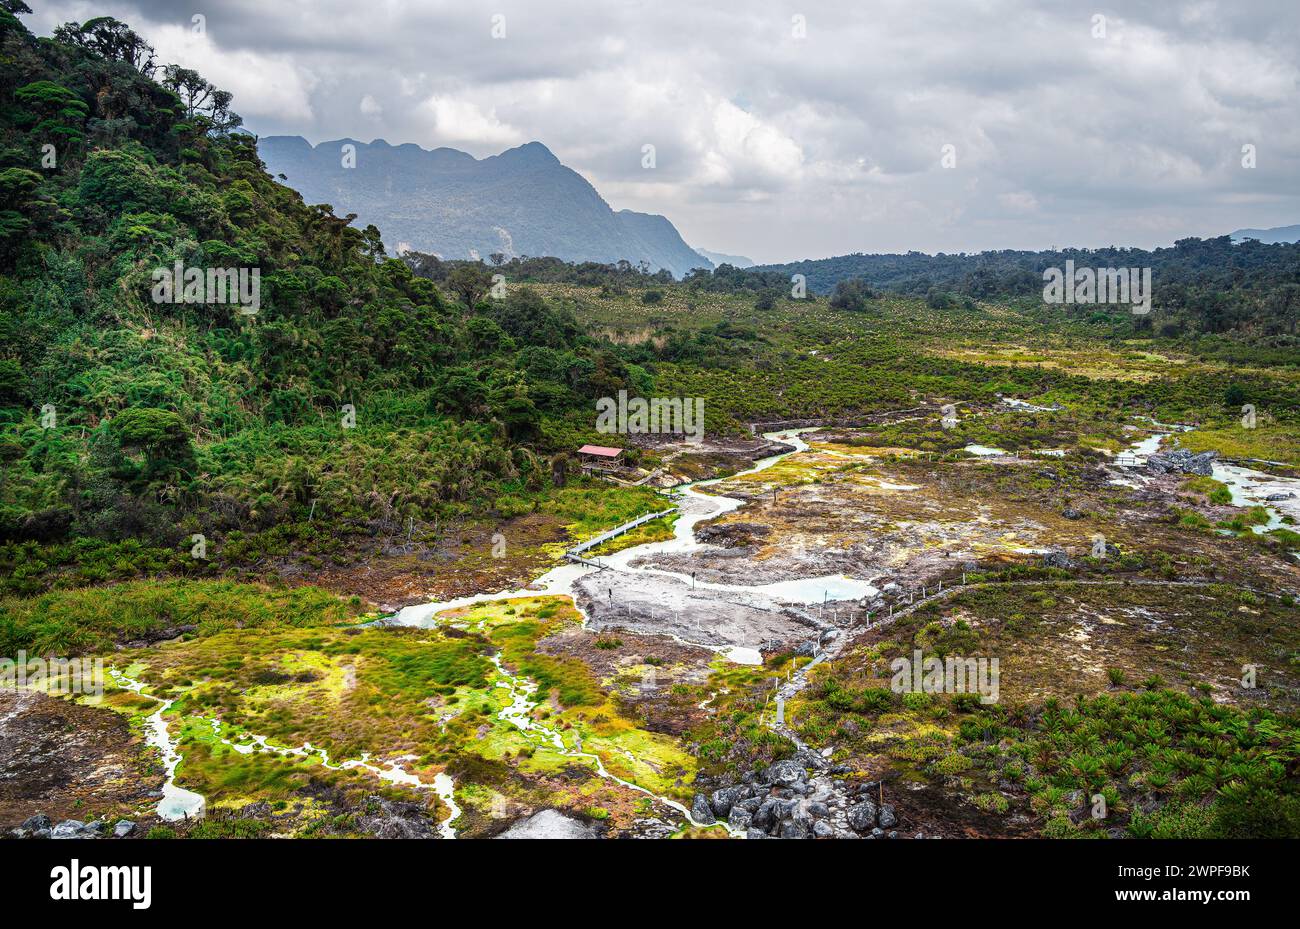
{"x": 1181, "y": 461}
{"x": 1059, "y": 559}
{"x": 802, "y": 797}
{"x": 548, "y": 824}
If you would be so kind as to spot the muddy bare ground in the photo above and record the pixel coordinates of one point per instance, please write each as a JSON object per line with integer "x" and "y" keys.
{"x": 69, "y": 761}
{"x": 913, "y": 522}
{"x": 657, "y": 604}
{"x": 391, "y": 574}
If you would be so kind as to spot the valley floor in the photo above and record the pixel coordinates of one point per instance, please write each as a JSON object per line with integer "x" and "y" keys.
{"x": 1121, "y": 672}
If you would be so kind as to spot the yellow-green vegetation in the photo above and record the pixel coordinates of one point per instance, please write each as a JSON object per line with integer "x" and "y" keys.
{"x": 569, "y": 701}
{"x": 1215, "y": 492}
{"x": 68, "y": 622}
{"x": 432, "y": 696}
{"x": 737, "y": 736}
{"x": 1269, "y": 440}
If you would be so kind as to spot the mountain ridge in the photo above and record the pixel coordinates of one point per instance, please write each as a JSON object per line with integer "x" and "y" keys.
{"x": 522, "y": 201}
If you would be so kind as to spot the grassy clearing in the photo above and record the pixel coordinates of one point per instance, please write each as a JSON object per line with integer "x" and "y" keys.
{"x": 70, "y": 622}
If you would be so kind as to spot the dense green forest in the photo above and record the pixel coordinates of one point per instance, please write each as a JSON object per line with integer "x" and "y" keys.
{"x": 358, "y": 392}
{"x": 1202, "y": 286}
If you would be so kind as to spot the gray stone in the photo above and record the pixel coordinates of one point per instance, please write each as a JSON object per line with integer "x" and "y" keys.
{"x": 1181, "y": 461}
{"x": 823, "y": 829}
{"x": 793, "y": 830}
{"x": 787, "y": 773}
{"x": 73, "y": 829}
{"x": 755, "y": 834}
{"x": 887, "y": 817}
{"x": 739, "y": 818}
{"x": 1059, "y": 559}
{"x": 123, "y": 828}
{"x": 767, "y": 813}
{"x": 862, "y": 816}
{"x": 701, "y": 812}
{"x": 723, "y": 799}
{"x": 548, "y": 824}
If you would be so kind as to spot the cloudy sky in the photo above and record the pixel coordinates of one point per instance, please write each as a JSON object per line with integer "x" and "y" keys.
{"x": 800, "y": 129}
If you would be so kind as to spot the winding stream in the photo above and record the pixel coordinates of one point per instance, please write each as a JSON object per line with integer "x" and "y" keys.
{"x": 178, "y": 803}
{"x": 696, "y": 507}
{"x": 1248, "y": 487}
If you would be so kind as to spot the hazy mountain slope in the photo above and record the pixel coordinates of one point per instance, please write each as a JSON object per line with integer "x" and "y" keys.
{"x": 721, "y": 258}
{"x": 521, "y": 202}
{"x": 1269, "y": 236}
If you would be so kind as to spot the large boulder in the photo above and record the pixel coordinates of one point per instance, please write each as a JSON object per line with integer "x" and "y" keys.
{"x": 34, "y": 827}
{"x": 1059, "y": 559}
{"x": 701, "y": 811}
{"x": 888, "y": 819}
{"x": 862, "y": 816}
{"x": 123, "y": 828}
{"x": 793, "y": 830}
{"x": 787, "y": 773}
{"x": 768, "y": 812}
{"x": 739, "y": 818}
{"x": 1181, "y": 461}
{"x": 723, "y": 799}
{"x": 73, "y": 829}
{"x": 548, "y": 824}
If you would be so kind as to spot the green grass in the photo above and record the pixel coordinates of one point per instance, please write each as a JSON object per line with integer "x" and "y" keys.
{"x": 69, "y": 622}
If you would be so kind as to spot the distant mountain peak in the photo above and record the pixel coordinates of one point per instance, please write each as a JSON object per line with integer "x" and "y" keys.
{"x": 446, "y": 202}
{"x": 532, "y": 153}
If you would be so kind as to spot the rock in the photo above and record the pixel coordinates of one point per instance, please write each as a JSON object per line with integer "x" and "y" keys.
{"x": 787, "y": 773}
{"x": 802, "y": 814}
{"x": 749, "y": 804}
{"x": 392, "y": 819}
{"x": 723, "y": 799}
{"x": 1059, "y": 559}
{"x": 36, "y": 823}
{"x": 793, "y": 830}
{"x": 740, "y": 819}
{"x": 819, "y": 809}
{"x": 887, "y": 817}
{"x": 766, "y": 814}
{"x": 123, "y": 828}
{"x": 1181, "y": 461}
{"x": 755, "y": 834}
{"x": 823, "y": 830}
{"x": 701, "y": 812}
{"x": 1071, "y": 513}
{"x": 877, "y": 832}
{"x": 548, "y": 824}
{"x": 1274, "y": 498}
{"x": 72, "y": 829}
{"x": 862, "y": 816}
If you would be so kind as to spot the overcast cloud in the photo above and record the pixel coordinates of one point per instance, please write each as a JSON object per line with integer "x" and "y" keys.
{"x": 780, "y": 147}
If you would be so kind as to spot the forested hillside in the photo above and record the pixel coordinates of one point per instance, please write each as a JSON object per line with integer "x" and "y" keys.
{"x": 127, "y": 422}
